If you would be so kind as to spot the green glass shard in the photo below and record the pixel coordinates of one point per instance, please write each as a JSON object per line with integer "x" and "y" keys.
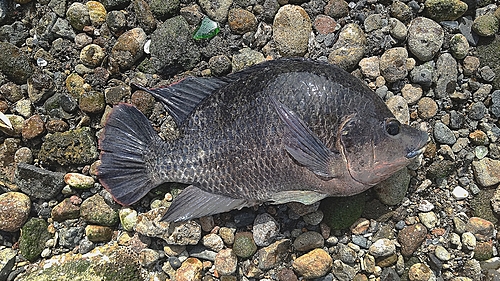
{"x": 207, "y": 29}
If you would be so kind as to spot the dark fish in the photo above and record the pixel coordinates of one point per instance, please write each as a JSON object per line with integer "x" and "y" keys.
{"x": 281, "y": 131}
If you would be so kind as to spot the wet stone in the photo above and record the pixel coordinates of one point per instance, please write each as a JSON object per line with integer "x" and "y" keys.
{"x": 425, "y": 38}
{"x": 14, "y": 210}
{"x": 65, "y": 210}
{"x": 308, "y": 240}
{"x": 291, "y": 29}
{"x": 411, "y": 237}
{"x": 75, "y": 147}
{"x": 34, "y": 235}
{"x": 244, "y": 245}
{"x": 94, "y": 210}
{"x": 313, "y": 264}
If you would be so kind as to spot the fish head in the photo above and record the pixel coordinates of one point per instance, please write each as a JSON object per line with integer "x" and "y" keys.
{"x": 375, "y": 147}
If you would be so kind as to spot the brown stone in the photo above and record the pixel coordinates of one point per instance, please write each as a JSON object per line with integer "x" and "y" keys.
{"x": 411, "y": 237}
{"x": 33, "y": 127}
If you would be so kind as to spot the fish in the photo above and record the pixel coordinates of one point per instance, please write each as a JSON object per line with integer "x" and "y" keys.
{"x": 284, "y": 130}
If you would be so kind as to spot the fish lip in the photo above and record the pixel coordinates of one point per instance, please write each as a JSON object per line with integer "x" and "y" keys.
{"x": 414, "y": 153}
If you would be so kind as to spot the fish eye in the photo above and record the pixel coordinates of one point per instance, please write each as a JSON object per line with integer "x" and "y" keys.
{"x": 392, "y": 126}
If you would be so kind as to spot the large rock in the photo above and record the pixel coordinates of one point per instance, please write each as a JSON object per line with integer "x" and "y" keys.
{"x": 14, "y": 63}
{"x": 291, "y": 30}
{"x": 37, "y": 182}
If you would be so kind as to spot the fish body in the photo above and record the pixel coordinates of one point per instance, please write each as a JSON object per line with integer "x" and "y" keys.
{"x": 281, "y": 131}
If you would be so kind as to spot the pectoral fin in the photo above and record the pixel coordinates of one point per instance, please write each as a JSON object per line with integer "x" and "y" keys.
{"x": 304, "y": 146}
{"x": 193, "y": 203}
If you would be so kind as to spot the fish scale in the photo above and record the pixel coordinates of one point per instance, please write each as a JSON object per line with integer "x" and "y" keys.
{"x": 281, "y": 131}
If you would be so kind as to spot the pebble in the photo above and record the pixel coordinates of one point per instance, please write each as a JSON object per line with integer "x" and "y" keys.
{"x": 446, "y": 74}
{"x": 14, "y": 63}
{"x": 445, "y": 10}
{"x": 469, "y": 241}
{"x": 399, "y": 107}
{"x": 79, "y": 181}
{"x": 324, "y": 24}
{"x": 95, "y": 210}
{"x": 313, "y": 218}
{"x": 443, "y": 134}
{"x": 37, "y": 182}
{"x": 308, "y": 240}
{"x": 398, "y": 29}
{"x": 486, "y": 25}
{"x": 481, "y": 228}
{"x": 226, "y": 262}
{"x": 33, "y": 127}
{"x": 343, "y": 271}
{"x": 245, "y": 58}
{"x": 411, "y": 237}
{"x": 441, "y": 253}
{"x": 23, "y": 155}
{"x": 393, "y": 64}
{"x": 483, "y": 250}
{"x": 428, "y": 219}
{"x": 370, "y": 67}
{"x": 471, "y": 65}
{"x": 128, "y": 218}
{"x": 423, "y": 74}
{"x": 336, "y": 8}
{"x": 190, "y": 270}
{"x": 401, "y": 11}
{"x": 420, "y": 272}
{"x": 65, "y": 210}
{"x": 213, "y": 242}
{"x": 98, "y": 233}
{"x": 427, "y": 108}
{"x": 78, "y": 16}
{"x": 265, "y": 228}
{"x": 34, "y": 235}
{"x": 14, "y": 210}
{"x": 412, "y": 93}
{"x": 128, "y": 48}
{"x": 244, "y": 245}
{"x": 92, "y": 102}
{"x": 148, "y": 257}
{"x": 349, "y": 48}
{"x": 459, "y": 46}
{"x": 227, "y": 235}
{"x": 217, "y": 10}
{"x": 291, "y": 29}
{"x": 425, "y": 38}
{"x": 460, "y": 193}
{"x": 487, "y": 171}
{"x": 273, "y": 254}
{"x": 97, "y": 12}
{"x": 241, "y": 21}
{"x": 382, "y": 248}
{"x": 313, "y": 264}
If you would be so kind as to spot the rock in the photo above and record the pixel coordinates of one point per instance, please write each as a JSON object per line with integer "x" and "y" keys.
{"x": 190, "y": 270}
{"x": 373, "y": 22}
{"x": 128, "y": 49}
{"x": 65, "y": 210}
{"x": 14, "y": 210}
{"x": 97, "y": 12}
{"x": 245, "y": 58}
{"x": 477, "y": 111}
{"x": 144, "y": 15}
{"x": 116, "y": 22}
{"x": 411, "y": 237}
{"x": 349, "y": 48}
{"x": 128, "y": 218}
{"x": 172, "y": 46}
{"x": 163, "y": 9}
{"x": 241, "y": 21}
{"x": 393, "y": 64}
{"x": 273, "y": 254}
{"x": 427, "y": 108}
{"x": 7, "y": 261}
{"x": 336, "y": 8}
{"x": 370, "y": 67}
{"x": 345, "y": 253}
{"x": 291, "y": 29}
{"x": 444, "y": 10}
{"x": 216, "y": 10}
{"x": 485, "y": 25}
{"x": 483, "y": 250}
{"x": 94, "y": 210}
{"x": 441, "y": 253}
{"x": 313, "y": 218}
{"x": 78, "y": 16}
{"x": 423, "y": 74}
{"x": 213, "y": 242}
{"x": 34, "y": 235}
{"x": 265, "y": 228}
{"x": 482, "y": 229}
{"x": 486, "y": 171}
{"x": 308, "y": 240}
{"x": 382, "y": 248}
{"x": 98, "y": 233}
{"x": 324, "y": 24}
{"x": 392, "y": 190}
{"x": 74, "y": 147}
{"x": 398, "y": 29}
{"x": 469, "y": 241}
{"x": 459, "y": 46}
{"x": 14, "y": 63}
{"x": 244, "y": 245}
{"x": 313, "y": 264}
{"x": 70, "y": 237}
{"x": 425, "y": 38}
{"x": 412, "y": 93}
{"x": 429, "y": 219}
{"x": 342, "y": 212}
{"x": 401, "y": 11}
{"x": 343, "y": 271}
{"x": 460, "y": 193}
{"x": 420, "y": 272}
{"x": 443, "y": 134}
{"x": 79, "y": 181}
{"x": 300, "y": 209}
{"x": 226, "y": 262}
{"x": 37, "y": 182}
{"x": 398, "y": 106}
{"x": 148, "y": 257}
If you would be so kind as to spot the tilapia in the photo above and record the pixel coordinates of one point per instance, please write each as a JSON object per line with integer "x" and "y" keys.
{"x": 287, "y": 130}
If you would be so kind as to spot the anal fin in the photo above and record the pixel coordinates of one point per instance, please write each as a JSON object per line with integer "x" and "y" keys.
{"x": 193, "y": 203}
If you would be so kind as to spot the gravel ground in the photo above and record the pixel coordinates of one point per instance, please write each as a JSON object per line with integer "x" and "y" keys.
{"x": 64, "y": 65}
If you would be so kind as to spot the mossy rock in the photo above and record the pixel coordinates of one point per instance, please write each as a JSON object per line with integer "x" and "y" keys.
{"x": 34, "y": 235}
{"x": 342, "y": 212}
{"x": 488, "y": 56}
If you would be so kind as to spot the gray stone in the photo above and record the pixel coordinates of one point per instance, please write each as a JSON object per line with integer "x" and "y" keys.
{"x": 349, "y": 48}
{"x": 217, "y": 10}
{"x": 61, "y": 28}
{"x": 443, "y": 134}
{"x": 70, "y": 237}
{"x": 423, "y": 74}
{"x": 14, "y": 63}
{"x": 308, "y": 241}
{"x": 393, "y": 64}
{"x": 382, "y": 248}
{"x": 446, "y": 75}
{"x": 425, "y": 38}
{"x": 392, "y": 190}
{"x": 265, "y": 228}
{"x": 37, "y": 182}
{"x": 459, "y": 46}
{"x": 245, "y": 58}
{"x": 78, "y": 16}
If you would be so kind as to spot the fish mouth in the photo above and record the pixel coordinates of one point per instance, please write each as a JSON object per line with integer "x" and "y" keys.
{"x": 415, "y": 153}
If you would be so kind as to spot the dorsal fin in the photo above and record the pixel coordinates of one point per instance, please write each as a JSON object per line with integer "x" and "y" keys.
{"x": 181, "y": 98}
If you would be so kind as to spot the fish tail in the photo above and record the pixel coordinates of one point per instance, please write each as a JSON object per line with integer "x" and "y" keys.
{"x": 129, "y": 147}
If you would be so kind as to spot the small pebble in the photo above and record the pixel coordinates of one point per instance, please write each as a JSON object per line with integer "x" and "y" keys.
{"x": 420, "y": 272}
{"x": 460, "y": 193}
{"x": 308, "y": 241}
{"x": 314, "y": 264}
{"x": 382, "y": 248}
{"x": 469, "y": 241}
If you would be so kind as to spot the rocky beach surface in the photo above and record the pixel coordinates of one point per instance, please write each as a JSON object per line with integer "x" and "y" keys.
{"x": 64, "y": 64}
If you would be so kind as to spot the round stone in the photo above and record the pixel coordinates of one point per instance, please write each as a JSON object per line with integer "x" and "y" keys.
{"x": 485, "y": 25}
{"x": 92, "y": 55}
{"x": 291, "y": 29}
{"x": 425, "y": 38}
{"x": 349, "y": 48}
{"x": 308, "y": 240}
{"x": 128, "y": 48}
{"x": 97, "y": 12}
{"x": 459, "y": 46}
{"x": 419, "y": 272}
{"x": 314, "y": 264}
{"x": 79, "y": 181}
{"x": 33, "y": 127}
{"x": 14, "y": 210}
{"x": 460, "y": 193}
{"x": 445, "y": 10}
{"x": 226, "y": 262}
{"x": 382, "y": 248}
{"x": 244, "y": 245}
{"x": 78, "y": 16}
{"x": 213, "y": 242}
{"x": 412, "y": 93}
{"x": 241, "y": 21}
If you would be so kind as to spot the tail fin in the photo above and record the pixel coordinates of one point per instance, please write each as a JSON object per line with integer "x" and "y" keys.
{"x": 128, "y": 141}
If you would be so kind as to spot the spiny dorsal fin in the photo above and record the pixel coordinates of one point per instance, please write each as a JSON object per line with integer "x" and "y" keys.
{"x": 304, "y": 146}
{"x": 181, "y": 98}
